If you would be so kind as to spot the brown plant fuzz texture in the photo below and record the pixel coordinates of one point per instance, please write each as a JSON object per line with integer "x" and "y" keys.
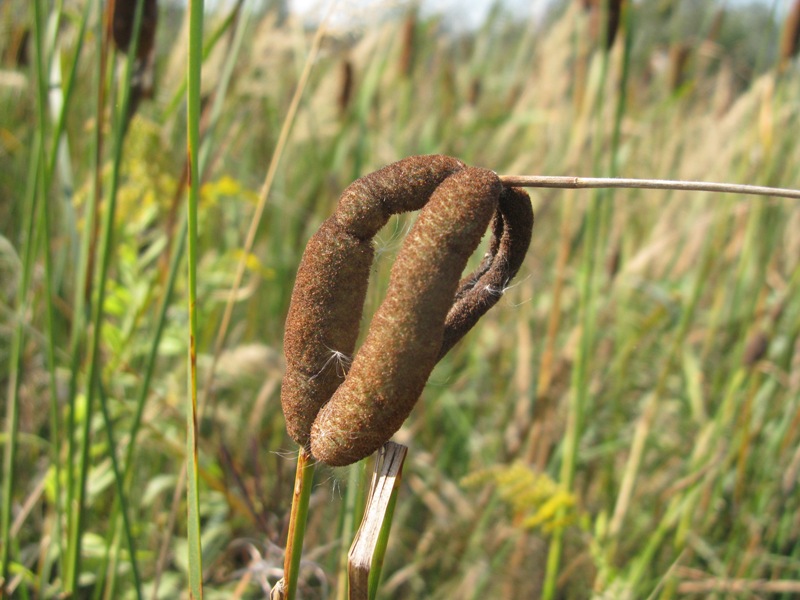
{"x": 331, "y": 285}
{"x": 426, "y": 309}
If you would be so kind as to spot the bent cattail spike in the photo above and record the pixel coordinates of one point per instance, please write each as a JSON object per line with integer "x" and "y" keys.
{"x": 405, "y": 336}
{"x": 328, "y": 298}
{"x": 478, "y": 292}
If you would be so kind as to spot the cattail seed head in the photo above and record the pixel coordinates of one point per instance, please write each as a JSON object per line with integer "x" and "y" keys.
{"x": 331, "y": 285}
{"x": 405, "y": 336}
{"x": 344, "y": 415}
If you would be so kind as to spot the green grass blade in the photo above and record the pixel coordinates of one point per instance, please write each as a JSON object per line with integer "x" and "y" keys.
{"x": 193, "y": 149}
{"x": 80, "y": 313}
{"x": 28, "y": 244}
{"x": 121, "y": 492}
{"x": 55, "y": 548}
{"x": 15, "y": 367}
{"x": 98, "y": 315}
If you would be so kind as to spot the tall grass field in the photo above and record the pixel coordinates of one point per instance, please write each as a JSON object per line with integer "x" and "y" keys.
{"x": 623, "y": 424}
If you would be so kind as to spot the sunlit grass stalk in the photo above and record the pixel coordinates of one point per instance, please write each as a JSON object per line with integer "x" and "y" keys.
{"x": 177, "y": 253}
{"x": 209, "y": 44}
{"x": 586, "y": 183}
{"x": 193, "y": 148}
{"x": 175, "y": 261}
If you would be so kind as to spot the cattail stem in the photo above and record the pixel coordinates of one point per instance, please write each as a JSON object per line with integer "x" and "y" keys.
{"x": 553, "y": 181}
{"x": 286, "y": 588}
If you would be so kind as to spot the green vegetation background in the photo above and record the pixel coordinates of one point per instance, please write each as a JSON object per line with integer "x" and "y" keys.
{"x": 633, "y": 401}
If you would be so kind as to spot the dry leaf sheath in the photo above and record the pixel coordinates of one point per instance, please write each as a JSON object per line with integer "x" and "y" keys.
{"x": 426, "y": 310}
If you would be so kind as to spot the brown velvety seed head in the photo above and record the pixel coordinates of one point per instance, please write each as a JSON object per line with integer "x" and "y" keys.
{"x": 368, "y": 202}
{"x": 404, "y": 340}
{"x": 328, "y": 297}
{"x": 323, "y": 319}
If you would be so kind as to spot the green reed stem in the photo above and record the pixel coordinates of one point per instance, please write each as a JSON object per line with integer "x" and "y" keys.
{"x": 194, "y": 180}
{"x": 82, "y": 306}
{"x": 108, "y": 424}
{"x": 98, "y": 314}
{"x": 55, "y": 547}
{"x": 303, "y": 482}
{"x": 28, "y": 243}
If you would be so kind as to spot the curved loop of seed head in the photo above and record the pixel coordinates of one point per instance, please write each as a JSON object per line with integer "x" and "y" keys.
{"x": 478, "y": 292}
{"x": 405, "y": 337}
{"x": 331, "y": 284}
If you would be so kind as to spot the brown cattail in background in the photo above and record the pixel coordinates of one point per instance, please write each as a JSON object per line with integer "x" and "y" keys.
{"x": 612, "y": 11}
{"x": 406, "y": 63}
{"x": 475, "y": 88}
{"x": 790, "y": 43}
{"x": 755, "y": 349}
{"x": 16, "y": 52}
{"x": 122, "y": 26}
{"x": 679, "y": 54}
{"x": 346, "y": 86}
{"x": 122, "y": 21}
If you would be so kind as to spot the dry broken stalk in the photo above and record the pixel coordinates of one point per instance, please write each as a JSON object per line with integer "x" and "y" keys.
{"x": 365, "y": 558}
